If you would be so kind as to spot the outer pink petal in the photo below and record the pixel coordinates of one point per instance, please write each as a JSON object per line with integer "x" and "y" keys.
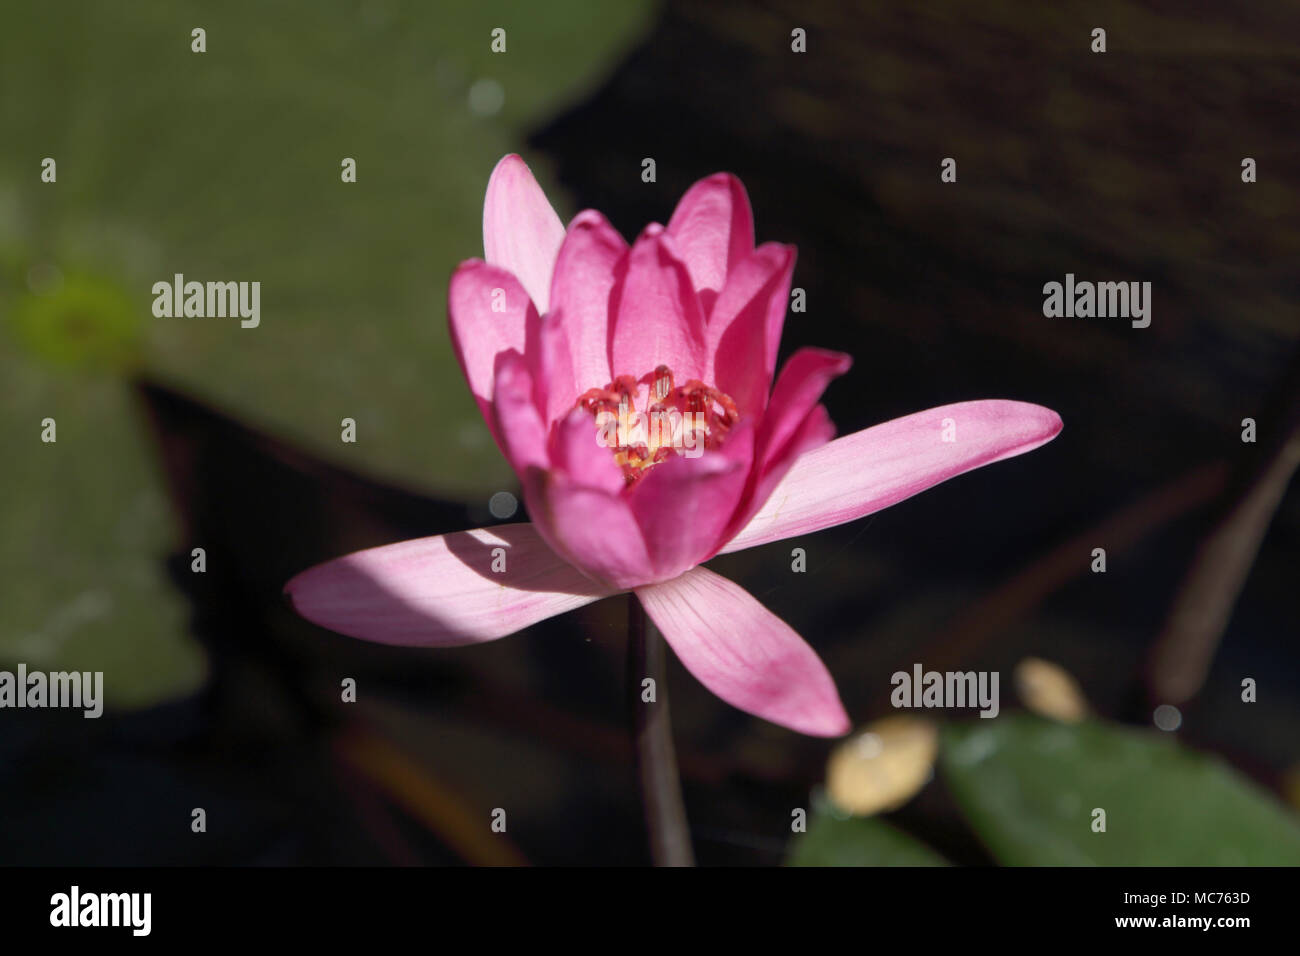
{"x": 479, "y": 334}
{"x": 744, "y": 653}
{"x": 714, "y": 229}
{"x": 683, "y": 504}
{"x": 744, "y": 329}
{"x": 590, "y": 262}
{"x": 521, "y": 232}
{"x": 442, "y": 591}
{"x": 657, "y": 316}
{"x": 880, "y": 466}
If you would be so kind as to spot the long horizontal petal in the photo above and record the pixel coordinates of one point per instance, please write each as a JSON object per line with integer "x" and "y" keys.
{"x": 880, "y": 466}
{"x": 443, "y": 591}
{"x": 521, "y": 232}
{"x": 744, "y": 653}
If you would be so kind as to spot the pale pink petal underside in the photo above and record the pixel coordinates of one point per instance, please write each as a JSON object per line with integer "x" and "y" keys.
{"x": 521, "y": 232}
{"x": 744, "y": 653}
{"x": 880, "y": 466}
{"x": 442, "y": 591}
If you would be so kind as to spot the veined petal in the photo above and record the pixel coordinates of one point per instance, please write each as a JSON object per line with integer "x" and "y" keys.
{"x": 744, "y": 653}
{"x": 521, "y": 232}
{"x": 657, "y": 317}
{"x": 488, "y": 313}
{"x": 880, "y": 466}
{"x": 442, "y": 591}
{"x": 713, "y": 227}
{"x": 590, "y": 261}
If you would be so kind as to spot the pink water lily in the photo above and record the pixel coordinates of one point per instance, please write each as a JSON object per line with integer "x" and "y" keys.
{"x": 560, "y": 329}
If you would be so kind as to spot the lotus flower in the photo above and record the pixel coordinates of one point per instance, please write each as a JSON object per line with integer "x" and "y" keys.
{"x": 563, "y": 333}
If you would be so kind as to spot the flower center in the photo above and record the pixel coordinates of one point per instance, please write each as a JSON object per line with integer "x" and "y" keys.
{"x": 645, "y": 420}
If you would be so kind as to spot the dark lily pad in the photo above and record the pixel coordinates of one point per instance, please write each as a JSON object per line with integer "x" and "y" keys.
{"x": 1030, "y": 787}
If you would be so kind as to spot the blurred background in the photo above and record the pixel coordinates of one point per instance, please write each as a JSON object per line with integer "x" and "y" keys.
{"x": 182, "y": 433}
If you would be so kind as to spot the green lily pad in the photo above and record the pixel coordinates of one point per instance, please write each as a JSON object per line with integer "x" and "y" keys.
{"x": 1030, "y": 786}
{"x": 226, "y": 166}
{"x": 836, "y": 839}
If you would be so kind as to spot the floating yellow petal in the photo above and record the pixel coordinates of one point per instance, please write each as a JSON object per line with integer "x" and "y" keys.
{"x": 884, "y": 766}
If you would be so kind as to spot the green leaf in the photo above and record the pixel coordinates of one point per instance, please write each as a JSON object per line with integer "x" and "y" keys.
{"x": 837, "y": 840}
{"x": 225, "y": 166}
{"x": 1029, "y": 787}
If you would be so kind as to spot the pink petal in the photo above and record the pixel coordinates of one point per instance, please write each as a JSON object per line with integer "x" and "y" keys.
{"x": 799, "y": 388}
{"x": 550, "y": 361}
{"x": 657, "y": 314}
{"x": 814, "y": 431}
{"x": 794, "y": 424}
{"x": 880, "y": 466}
{"x": 442, "y": 591}
{"x": 519, "y": 427}
{"x": 590, "y": 261}
{"x": 683, "y": 504}
{"x": 713, "y": 227}
{"x": 577, "y": 455}
{"x": 592, "y": 529}
{"x": 744, "y": 653}
{"x": 521, "y": 232}
{"x": 478, "y": 333}
{"x": 744, "y": 328}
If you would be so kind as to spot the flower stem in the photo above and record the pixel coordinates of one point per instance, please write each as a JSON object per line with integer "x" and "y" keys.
{"x": 652, "y": 734}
